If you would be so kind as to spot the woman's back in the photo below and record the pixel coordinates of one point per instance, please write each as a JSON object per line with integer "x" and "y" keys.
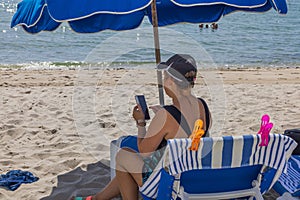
{"x": 192, "y": 109}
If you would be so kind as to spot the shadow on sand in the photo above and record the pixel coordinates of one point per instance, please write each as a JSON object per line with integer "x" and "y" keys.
{"x": 79, "y": 182}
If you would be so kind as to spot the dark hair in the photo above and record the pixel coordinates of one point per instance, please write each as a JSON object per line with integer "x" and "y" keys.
{"x": 188, "y": 82}
{"x": 182, "y": 69}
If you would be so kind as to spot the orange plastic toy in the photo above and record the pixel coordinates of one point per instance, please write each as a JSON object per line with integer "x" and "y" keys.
{"x": 198, "y": 132}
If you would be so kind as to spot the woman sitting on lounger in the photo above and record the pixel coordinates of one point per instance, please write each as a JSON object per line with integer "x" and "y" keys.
{"x": 174, "y": 121}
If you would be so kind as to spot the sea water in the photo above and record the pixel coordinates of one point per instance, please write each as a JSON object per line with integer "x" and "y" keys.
{"x": 241, "y": 40}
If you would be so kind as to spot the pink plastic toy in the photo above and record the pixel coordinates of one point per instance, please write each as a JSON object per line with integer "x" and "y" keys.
{"x": 265, "y": 129}
{"x": 264, "y": 121}
{"x": 265, "y": 134}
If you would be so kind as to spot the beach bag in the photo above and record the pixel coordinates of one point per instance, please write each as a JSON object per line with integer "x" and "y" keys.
{"x": 295, "y": 135}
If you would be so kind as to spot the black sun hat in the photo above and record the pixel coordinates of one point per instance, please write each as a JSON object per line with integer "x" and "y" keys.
{"x": 181, "y": 67}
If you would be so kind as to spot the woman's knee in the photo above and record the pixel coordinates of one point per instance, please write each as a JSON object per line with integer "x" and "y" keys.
{"x": 128, "y": 160}
{"x": 123, "y": 156}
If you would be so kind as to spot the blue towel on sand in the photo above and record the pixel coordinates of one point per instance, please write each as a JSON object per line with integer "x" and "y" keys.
{"x": 14, "y": 178}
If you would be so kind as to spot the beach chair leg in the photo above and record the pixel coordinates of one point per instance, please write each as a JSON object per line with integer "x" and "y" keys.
{"x": 257, "y": 195}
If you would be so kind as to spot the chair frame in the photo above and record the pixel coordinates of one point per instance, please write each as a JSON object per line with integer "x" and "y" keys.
{"x": 253, "y": 191}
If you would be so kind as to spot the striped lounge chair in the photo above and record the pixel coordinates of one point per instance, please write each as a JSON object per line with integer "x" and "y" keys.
{"x": 222, "y": 167}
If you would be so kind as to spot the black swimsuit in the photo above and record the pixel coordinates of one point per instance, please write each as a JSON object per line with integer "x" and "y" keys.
{"x": 151, "y": 162}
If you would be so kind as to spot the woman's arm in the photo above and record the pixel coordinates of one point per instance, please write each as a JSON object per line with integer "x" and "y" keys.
{"x": 149, "y": 140}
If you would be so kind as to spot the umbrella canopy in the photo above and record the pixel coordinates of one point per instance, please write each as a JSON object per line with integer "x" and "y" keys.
{"x": 93, "y": 16}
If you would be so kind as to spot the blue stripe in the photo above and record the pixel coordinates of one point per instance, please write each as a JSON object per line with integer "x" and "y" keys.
{"x": 247, "y": 149}
{"x": 266, "y": 148}
{"x": 256, "y": 148}
{"x": 253, "y": 154}
{"x": 277, "y": 151}
{"x": 286, "y": 142}
{"x": 282, "y": 153}
{"x": 187, "y": 154}
{"x": 197, "y": 161}
{"x": 191, "y": 157}
{"x": 260, "y": 150}
{"x": 272, "y": 150}
{"x": 178, "y": 154}
{"x": 206, "y": 155}
{"x": 182, "y": 156}
{"x": 290, "y": 144}
{"x": 149, "y": 183}
{"x": 227, "y": 151}
{"x": 173, "y": 166}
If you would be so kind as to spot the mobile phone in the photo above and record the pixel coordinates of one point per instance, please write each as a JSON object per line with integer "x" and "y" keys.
{"x": 140, "y": 99}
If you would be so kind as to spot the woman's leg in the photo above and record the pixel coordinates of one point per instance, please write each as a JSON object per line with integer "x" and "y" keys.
{"x": 109, "y": 192}
{"x": 129, "y": 167}
{"x": 128, "y": 177}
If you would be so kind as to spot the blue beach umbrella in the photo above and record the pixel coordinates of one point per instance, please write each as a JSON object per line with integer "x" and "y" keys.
{"x": 91, "y": 16}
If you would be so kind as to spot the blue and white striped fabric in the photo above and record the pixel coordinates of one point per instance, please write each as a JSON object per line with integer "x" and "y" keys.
{"x": 290, "y": 181}
{"x": 223, "y": 152}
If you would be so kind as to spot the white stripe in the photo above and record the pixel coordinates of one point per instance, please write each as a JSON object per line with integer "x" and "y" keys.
{"x": 257, "y": 138}
{"x": 261, "y": 154}
{"x": 177, "y": 153}
{"x": 149, "y": 187}
{"x": 171, "y": 145}
{"x": 189, "y": 155}
{"x": 276, "y": 8}
{"x": 100, "y": 12}
{"x": 281, "y": 151}
{"x": 38, "y": 19}
{"x": 237, "y": 151}
{"x": 268, "y": 151}
{"x": 257, "y": 150}
{"x": 200, "y": 148}
{"x": 216, "y": 3}
{"x": 216, "y": 155}
{"x": 274, "y": 144}
{"x": 184, "y": 157}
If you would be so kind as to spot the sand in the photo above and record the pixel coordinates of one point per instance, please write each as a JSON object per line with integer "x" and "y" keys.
{"x": 58, "y": 124}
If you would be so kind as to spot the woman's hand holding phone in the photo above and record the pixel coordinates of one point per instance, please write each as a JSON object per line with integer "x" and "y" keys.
{"x": 139, "y": 116}
{"x": 140, "y": 100}
{"x": 137, "y": 113}
{"x": 155, "y": 108}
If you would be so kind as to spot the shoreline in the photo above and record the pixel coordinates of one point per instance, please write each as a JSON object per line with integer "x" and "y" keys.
{"x": 135, "y": 66}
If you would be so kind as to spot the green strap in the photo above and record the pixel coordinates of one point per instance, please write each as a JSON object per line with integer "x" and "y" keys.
{"x": 78, "y": 198}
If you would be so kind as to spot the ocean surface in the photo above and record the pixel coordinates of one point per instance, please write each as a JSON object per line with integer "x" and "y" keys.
{"x": 241, "y": 40}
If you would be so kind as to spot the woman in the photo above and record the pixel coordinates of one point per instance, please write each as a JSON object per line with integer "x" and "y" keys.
{"x": 174, "y": 121}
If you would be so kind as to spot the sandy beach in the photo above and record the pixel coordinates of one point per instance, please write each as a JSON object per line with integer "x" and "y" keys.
{"x": 59, "y": 123}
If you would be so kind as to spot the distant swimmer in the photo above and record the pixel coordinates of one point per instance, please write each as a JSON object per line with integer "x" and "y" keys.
{"x": 214, "y": 26}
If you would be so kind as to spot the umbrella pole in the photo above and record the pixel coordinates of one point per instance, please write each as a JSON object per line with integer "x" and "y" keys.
{"x": 157, "y": 52}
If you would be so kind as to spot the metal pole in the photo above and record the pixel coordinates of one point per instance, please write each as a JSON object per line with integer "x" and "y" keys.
{"x": 157, "y": 52}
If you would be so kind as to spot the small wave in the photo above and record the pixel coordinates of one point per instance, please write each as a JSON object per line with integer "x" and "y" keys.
{"x": 37, "y": 66}
{"x": 78, "y": 65}
{"x": 129, "y": 65}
